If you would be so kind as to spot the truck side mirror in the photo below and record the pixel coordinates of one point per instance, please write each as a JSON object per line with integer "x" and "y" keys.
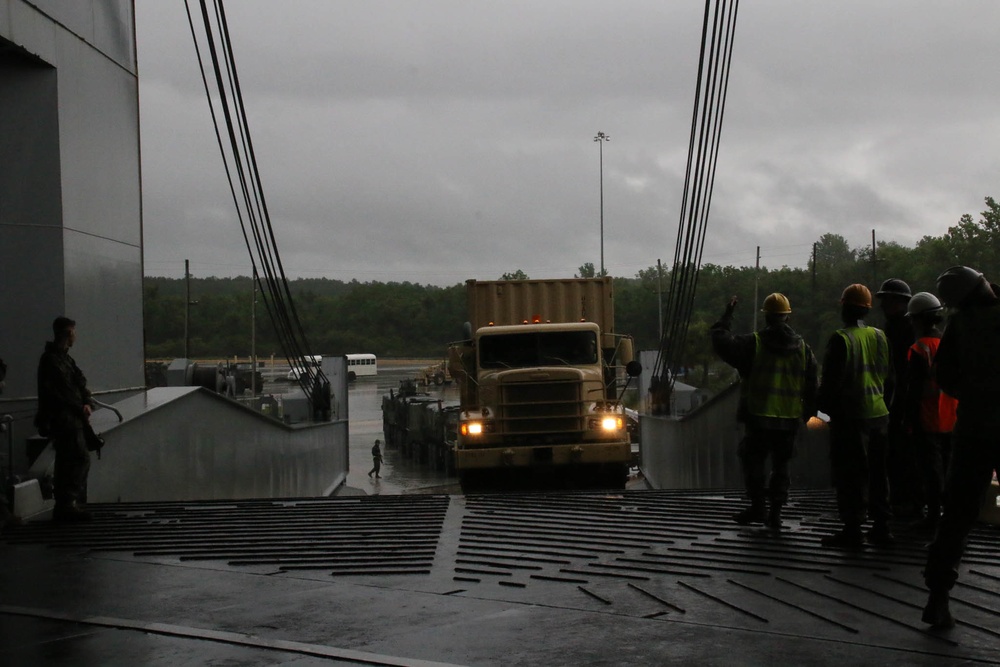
{"x": 633, "y": 369}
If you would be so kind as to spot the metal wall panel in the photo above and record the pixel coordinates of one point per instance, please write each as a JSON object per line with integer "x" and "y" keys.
{"x": 70, "y": 209}
{"x": 106, "y": 25}
{"x": 101, "y": 296}
{"x": 99, "y": 145}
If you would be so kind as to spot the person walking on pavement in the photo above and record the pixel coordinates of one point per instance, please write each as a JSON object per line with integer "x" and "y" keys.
{"x": 376, "y": 460}
{"x": 64, "y": 408}
{"x": 967, "y": 367}
{"x": 856, "y": 365}
{"x": 903, "y": 468}
{"x": 929, "y": 413}
{"x": 777, "y": 392}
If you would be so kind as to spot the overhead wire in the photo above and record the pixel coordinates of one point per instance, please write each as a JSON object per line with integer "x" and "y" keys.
{"x": 240, "y": 158}
{"x": 711, "y": 88}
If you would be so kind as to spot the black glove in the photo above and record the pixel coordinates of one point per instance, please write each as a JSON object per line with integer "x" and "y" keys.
{"x": 731, "y": 306}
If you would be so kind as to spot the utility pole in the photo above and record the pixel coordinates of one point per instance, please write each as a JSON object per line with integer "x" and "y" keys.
{"x": 600, "y": 139}
{"x": 756, "y": 280}
{"x": 814, "y": 268}
{"x": 874, "y": 267}
{"x": 659, "y": 295}
{"x": 253, "y": 337}
{"x": 187, "y": 309}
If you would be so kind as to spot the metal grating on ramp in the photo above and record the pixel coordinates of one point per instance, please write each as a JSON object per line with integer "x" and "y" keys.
{"x": 345, "y": 536}
{"x": 679, "y": 555}
{"x": 664, "y": 556}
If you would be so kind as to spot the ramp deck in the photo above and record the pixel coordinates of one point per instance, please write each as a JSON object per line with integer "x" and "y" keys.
{"x": 528, "y": 579}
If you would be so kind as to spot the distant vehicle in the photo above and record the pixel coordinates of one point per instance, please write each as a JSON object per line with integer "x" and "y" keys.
{"x": 361, "y": 364}
{"x": 297, "y": 372}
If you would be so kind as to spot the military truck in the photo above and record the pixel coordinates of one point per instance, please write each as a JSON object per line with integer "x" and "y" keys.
{"x": 538, "y": 375}
{"x": 421, "y": 427}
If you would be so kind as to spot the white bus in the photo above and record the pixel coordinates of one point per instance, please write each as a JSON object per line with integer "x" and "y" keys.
{"x": 296, "y": 373}
{"x": 361, "y": 364}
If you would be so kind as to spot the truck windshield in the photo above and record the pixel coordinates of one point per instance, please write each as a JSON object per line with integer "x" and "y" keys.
{"x": 534, "y": 348}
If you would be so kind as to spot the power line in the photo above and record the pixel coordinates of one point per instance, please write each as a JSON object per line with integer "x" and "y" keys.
{"x": 712, "y": 84}
{"x": 240, "y": 160}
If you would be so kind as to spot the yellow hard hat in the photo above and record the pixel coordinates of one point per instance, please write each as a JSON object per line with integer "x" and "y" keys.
{"x": 857, "y": 295}
{"x": 776, "y": 304}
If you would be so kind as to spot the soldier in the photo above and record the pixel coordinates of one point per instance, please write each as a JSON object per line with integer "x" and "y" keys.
{"x": 376, "y": 460}
{"x": 777, "y": 392}
{"x": 856, "y": 365}
{"x": 967, "y": 367}
{"x": 64, "y": 407}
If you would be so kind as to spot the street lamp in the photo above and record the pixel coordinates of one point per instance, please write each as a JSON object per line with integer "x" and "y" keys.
{"x": 600, "y": 139}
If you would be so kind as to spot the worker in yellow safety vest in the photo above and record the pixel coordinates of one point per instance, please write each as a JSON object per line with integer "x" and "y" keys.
{"x": 777, "y": 393}
{"x": 856, "y": 366}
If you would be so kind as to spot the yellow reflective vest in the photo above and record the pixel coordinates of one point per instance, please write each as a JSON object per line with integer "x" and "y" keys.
{"x": 866, "y": 368}
{"x": 776, "y": 382}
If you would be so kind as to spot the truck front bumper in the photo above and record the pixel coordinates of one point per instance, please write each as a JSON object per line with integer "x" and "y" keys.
{"x": 525, "y": 456}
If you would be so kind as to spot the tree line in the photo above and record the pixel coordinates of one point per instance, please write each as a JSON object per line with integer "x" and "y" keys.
{"x": 403, "y": 319}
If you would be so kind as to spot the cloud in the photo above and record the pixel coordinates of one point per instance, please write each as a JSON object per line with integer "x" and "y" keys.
{"x": 443, "y": 140}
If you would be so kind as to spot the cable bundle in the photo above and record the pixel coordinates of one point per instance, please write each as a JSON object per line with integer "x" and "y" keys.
{"x": 251, "y": 207}
{"x": 703, "y": 151}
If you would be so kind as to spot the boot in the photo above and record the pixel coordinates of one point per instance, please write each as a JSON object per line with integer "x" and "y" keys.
{"x": 773, "y": 520}
{"x": 848, "y": 538}
{"x": 70, "y": 513}
{"x": 937, "y": 613}
{"x": 753, "y": 514}
{"x": 880, "y": 534}
{"x": 928, "y": 524}
{"x": 8, "y": 520}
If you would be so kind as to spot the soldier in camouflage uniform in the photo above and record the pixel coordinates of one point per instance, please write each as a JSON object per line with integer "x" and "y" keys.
{"x": 64, "y": 407}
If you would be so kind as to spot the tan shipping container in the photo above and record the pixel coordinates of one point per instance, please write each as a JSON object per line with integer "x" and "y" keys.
{"x": 560, "y": 300}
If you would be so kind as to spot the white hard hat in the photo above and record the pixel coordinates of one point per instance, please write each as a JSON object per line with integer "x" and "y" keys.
{"x": 921, "y": 303}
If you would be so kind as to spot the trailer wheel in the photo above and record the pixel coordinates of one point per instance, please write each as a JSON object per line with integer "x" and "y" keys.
{"x": 439, "y": 379}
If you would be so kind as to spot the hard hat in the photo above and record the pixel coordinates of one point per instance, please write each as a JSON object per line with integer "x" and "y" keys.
{"x": 957, "y": 283}
{"x": 776, "y": 304}
{"x": 894, "y": 287}
{"x": 923, "y": 303}
{"x": 856, "y": 295}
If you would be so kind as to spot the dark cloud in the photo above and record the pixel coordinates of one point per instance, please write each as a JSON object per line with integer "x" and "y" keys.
{"x": 435, "y": 141}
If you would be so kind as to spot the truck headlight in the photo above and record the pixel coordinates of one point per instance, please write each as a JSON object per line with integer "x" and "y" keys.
{"x": 611, "y": 423}
{"x": 607, "y": 423}
{"x": 472, "y": 428}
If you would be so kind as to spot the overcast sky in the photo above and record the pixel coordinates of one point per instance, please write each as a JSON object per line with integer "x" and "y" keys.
{"x": 433, "y": 141}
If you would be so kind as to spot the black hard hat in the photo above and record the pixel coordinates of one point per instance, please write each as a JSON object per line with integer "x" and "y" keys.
{"x": 894, "y": 287}
{"x": 957, "y": 283}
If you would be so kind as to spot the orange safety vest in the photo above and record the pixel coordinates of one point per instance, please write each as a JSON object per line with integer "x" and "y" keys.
{"x": 937, "y": 409}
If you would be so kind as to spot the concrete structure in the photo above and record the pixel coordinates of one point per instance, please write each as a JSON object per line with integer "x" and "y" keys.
{"x": 698, "y": 450}
{"x": 188, "y": 443}
{"x": 70, "y": 195}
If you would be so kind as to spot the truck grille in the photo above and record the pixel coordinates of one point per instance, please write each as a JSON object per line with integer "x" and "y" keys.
{"x": 541, "y": 408}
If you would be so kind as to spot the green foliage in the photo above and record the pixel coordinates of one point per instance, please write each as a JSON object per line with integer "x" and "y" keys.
{"x": 407, "y": 319}
{"x": 587, "y": 270}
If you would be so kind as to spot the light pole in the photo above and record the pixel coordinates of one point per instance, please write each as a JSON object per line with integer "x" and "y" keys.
{"x": 600, "y": 139}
